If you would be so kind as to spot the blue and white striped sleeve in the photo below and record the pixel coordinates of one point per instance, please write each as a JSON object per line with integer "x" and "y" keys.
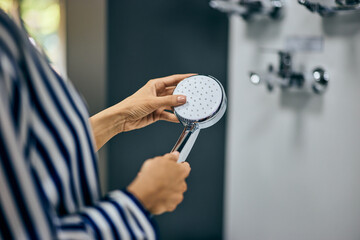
{"x": 23, "y": 211}
{"x": 118, "y": 216}
{"x": 30, "y": 186}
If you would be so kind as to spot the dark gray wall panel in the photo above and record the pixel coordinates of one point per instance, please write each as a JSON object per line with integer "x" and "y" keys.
{"x": 150, "y": 39}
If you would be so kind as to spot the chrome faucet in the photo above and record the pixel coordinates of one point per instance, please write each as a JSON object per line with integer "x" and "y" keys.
{"x": 286, "y": 78}
{"x": 248, "y": 9}
{"x": 340, "y": 6}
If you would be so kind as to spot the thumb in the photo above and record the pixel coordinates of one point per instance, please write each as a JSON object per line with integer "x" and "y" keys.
{"x": 173, "y": 156}
{"x": 171, "y": 100}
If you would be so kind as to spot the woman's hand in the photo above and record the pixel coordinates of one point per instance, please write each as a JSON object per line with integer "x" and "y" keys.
{"x": 160, "y": 184}
{"x": 149, "y": 103}
{"x": 144, "y": 107}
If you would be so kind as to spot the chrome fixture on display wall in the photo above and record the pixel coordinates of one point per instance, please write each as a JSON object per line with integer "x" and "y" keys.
{"x": 287, "y": 79}
{"x": 251, "y": 9}
{"x": 334, "y": 8}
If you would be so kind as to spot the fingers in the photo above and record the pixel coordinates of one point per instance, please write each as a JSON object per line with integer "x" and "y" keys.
{"x": 178, "y": 199}
{"x": 170, "y": 117}
{"x": 183, "y": 187}
{"x": 174, "y": 202}
{"x": 173, "y": 80}
{"x": 171, "y": 100}
{"x": 185, "y": 167}
{"x": 167, "y": 91}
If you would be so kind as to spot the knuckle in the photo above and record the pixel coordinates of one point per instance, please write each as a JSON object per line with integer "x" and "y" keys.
{"x": 147, "y": 163}
{"x": 172, "y": 207}
{"x": 186, "y": 165}
{"x": 184, "y": 188}
{"x": 186, "y": 168}
{"x": 167, "y": 156}
{"x": 180, "y": 199}
{"x": 151, "y": 161}
{"x": 170, "y": 156}
{"x": 151, "y": 82}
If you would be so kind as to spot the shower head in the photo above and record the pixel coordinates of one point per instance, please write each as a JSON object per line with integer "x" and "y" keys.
{"x": 205, "y": 105}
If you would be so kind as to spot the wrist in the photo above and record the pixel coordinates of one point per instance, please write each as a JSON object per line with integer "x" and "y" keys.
{"x": 143, "y": 194}
{"x": 107, "y": 124}
{"x": 111, "y": 119}
{"x": 138, "y": 204}
{"x": 117, "y": 118}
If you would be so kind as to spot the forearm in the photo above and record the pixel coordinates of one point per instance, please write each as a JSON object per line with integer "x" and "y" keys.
{"x": 106, "y": 124}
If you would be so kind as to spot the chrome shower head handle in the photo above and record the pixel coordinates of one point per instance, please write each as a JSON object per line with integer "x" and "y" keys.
{"x": 186, "y": 141}
{"x": 206, "y": 104}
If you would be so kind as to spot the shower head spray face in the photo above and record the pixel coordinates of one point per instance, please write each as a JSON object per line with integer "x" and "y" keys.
{"x": 206, "y": 104}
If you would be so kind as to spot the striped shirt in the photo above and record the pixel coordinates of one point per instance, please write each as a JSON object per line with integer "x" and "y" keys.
{"x": 49, "y": 186}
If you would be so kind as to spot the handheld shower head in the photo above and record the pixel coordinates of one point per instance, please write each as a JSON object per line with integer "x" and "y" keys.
{"x": 206, "y": 104}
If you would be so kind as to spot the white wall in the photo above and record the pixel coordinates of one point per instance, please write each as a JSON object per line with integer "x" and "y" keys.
{"x": 293, "y": 160}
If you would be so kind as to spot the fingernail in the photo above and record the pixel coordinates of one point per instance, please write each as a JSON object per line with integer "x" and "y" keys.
{"x": 181, "y": 99}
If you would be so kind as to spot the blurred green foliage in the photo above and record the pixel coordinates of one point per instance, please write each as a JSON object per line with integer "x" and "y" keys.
{"x": 6, "y": 5}
{"x": 41, "y": 19}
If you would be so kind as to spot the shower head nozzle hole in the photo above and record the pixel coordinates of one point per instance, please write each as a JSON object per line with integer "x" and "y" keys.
{"x": 203, "y": 101}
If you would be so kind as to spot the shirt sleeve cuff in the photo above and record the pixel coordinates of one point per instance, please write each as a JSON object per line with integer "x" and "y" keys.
{"x": 138, "y": 204}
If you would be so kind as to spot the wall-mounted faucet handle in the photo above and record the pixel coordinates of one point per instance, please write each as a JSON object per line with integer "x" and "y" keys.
{"x": 228, "y": 7}
{"x": 327, "y": 11}
{"x": 317, "y": 7}
{"x": 247, "y": 9}
{"x": 347, "y": 2}
{"x": 269, "y": 79}
{"x": 285, "y": 64}
{"x": 285, "y": 77}
{"x": 320, "y": 80}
